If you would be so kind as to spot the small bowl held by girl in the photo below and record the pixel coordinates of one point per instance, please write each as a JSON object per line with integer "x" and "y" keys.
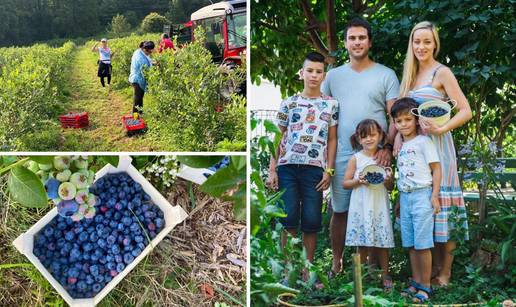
{"x": 374, "y": 175}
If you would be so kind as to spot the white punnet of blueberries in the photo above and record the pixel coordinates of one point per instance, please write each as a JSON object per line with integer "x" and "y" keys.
{"x": 374, "y": 177}
{"x": 433, "y": 112}
{"x": 85, "y": 255}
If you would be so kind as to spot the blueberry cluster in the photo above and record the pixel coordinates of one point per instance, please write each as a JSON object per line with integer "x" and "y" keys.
{"x": 221, "y": 164}
{"x": 84, "y": 256}
{"x": 433, "y": 112}
{"x": 132, "y": 122}
{"x": 374, "y": 177}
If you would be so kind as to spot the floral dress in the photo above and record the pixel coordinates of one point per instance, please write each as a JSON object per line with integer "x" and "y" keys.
{"x": 369, "y": 221}
{"x": 450, "y": 193}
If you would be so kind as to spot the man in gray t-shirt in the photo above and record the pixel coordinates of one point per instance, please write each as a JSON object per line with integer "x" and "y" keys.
{"x": 364, "y": 89}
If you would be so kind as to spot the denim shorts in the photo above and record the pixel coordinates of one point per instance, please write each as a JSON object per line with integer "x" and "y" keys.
{"x": 417, "y": 219}
{"x": 301, "y": 200}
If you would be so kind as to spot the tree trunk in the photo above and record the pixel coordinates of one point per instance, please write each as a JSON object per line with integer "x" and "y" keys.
{"x": 331, "y": 31}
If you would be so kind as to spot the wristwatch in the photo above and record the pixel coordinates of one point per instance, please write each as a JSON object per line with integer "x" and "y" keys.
{"x": 330, "y": 171}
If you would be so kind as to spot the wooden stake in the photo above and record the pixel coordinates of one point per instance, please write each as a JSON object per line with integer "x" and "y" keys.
{"x": 357, "y": 278}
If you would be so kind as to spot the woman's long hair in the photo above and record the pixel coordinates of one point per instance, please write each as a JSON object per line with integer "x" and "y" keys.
{"x": 411, "y": 65}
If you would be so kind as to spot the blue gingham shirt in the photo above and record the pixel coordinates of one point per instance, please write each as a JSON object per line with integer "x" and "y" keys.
{"x": 138, "y": 62}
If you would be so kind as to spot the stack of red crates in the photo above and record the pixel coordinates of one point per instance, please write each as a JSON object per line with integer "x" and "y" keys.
{"x": 74, "y": 120}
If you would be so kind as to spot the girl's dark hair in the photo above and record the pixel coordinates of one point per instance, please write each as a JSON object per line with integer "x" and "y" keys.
{"x": 403, "y": 106}
{"x": 364, "y": 128}
{"x": 141, "y": 44}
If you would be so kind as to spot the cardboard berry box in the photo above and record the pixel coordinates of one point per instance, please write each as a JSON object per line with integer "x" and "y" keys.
{"x": 173, "y": 215}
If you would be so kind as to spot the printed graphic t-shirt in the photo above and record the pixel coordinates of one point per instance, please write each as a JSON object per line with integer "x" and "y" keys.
{"x": 413, "y": 163}
{"x": 307, "y": 121}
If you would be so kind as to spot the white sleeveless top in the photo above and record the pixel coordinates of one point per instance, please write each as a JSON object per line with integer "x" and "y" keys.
{"x": 105, "y": 55}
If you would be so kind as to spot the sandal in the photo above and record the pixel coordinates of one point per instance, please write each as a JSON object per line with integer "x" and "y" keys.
{"x": 387, "y": 283}
{"x": 419, "y": 297}
{"x": 410, "y": 290}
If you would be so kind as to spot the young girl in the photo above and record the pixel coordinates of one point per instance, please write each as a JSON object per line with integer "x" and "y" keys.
{"x": 369, "y": 224}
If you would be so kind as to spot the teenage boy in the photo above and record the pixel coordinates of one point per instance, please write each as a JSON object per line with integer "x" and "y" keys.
{"x": 364, "y": 89}
{"x": 306, "y": 155}
{"x": 419, "y": 181}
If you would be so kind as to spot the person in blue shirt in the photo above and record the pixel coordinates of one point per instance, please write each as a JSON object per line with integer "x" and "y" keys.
{"x": 139, "y": 61}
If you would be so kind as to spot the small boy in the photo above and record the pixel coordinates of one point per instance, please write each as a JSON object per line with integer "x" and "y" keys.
{"x": 418, "y": 183}
{"x": 306, "y": 155}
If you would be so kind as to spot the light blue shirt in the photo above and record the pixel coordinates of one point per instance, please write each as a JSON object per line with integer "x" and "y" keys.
{"x": 360, "y": 95}
{"x": 138, "y": 62}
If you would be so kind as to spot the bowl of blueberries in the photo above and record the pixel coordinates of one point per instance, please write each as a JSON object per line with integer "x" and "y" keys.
{"x": 85, "y": 259}
{"x": 436, "y": 111}
{"x": 374, "y": 175}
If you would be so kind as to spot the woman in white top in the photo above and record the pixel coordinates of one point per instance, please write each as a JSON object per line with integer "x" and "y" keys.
{"x": 104, "y": 61}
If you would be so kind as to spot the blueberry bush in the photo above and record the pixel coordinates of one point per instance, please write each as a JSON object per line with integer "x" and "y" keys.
{"x": 188, "y": 109}
{"x": 32, "y": 94}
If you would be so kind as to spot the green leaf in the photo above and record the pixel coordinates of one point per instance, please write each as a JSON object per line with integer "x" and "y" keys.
{"x": 271, "y": 127}
{"x": 43, "y": 159}
{"x": 113, "y": 160}
{"x": 199, "y": 161}
{"x": 26, "y": 188}
{"x": 505, "y": 250}
{"x": 222, "y": 181}
{"x": 238, "y": 162}
{"x": 8, "y": 160}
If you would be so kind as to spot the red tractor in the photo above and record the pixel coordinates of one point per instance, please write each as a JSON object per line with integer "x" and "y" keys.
{"x": 225, "y": 26}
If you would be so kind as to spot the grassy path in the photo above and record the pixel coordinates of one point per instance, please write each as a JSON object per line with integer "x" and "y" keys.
{"x": 105, "y": 109}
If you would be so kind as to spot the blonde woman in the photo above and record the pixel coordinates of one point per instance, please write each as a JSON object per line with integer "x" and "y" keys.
{"x": 424, "y": 79}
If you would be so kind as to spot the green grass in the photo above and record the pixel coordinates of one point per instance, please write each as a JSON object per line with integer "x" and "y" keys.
{"x": 467, "y": 286}
{"x": 105, "y": 110}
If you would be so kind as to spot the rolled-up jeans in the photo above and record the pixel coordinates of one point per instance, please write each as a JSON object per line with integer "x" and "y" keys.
{"x": 302, "y": 202}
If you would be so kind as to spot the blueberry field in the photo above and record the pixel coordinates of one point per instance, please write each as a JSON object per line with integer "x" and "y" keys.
{"x": 186, "y": 107}
{"x": 101, "y": 227}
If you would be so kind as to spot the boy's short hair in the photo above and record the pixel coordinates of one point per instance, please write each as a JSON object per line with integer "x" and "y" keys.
{"x": 403, "y": 106}
{"x": 358, "y": 22}
{"x": 314, "y": 56}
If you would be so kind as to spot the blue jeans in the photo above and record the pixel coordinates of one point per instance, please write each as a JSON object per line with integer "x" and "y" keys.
{"x": 301, "y": 200}
{"x": 417, "y": 219}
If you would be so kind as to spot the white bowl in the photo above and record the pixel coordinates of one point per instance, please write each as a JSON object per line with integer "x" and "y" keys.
{"x": 373, "y": 168}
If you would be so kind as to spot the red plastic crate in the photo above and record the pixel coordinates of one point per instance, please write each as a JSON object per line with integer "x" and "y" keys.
{"x": 74, "y": 120}
{"x": 134, "y": 129}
